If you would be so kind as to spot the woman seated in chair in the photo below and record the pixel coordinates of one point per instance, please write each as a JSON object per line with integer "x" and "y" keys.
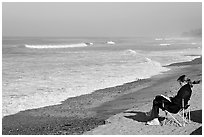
{"x": 171, "y": 104}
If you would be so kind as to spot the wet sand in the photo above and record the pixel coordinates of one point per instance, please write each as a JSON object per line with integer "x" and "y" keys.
{"x": 78, "y": 115}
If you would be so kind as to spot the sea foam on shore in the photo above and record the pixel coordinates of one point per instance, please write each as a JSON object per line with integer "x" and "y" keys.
{"x": 35, "y": 78}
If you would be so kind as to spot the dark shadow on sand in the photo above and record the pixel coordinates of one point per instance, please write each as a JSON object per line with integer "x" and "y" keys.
{"x": 139, "y": 116}
{"x": 197, "y": 131}
{"x": 196, "y": 116}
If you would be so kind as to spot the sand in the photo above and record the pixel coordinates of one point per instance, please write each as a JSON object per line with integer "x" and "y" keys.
{"x": 117, "y": 110}
{"x": 132, "y": 121}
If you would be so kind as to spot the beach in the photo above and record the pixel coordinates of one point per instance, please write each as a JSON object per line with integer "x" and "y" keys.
{"x": 112, "y": 110}
{"x": 95, "y": 68}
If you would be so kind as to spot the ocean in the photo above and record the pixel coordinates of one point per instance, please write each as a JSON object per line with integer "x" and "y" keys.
{"x": 43, "y": 71}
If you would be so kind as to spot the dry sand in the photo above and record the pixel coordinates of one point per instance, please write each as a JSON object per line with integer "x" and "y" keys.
{"x": 132, "y": 121}
{"x": 117, "y": 110}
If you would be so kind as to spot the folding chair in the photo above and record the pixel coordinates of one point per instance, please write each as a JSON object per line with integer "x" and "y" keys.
{"x": 185, "y": 116}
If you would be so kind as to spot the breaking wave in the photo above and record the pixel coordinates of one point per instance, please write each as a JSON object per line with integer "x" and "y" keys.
{"x": 158, "y": 38}
{"x": 56, "y": 46}
{"x": 152, "y": 62}
{"x": 130, "y": 52}
{"x": 165, "y": 44}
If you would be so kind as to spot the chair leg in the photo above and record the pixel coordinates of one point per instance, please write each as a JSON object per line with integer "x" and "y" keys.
{"x": 189, "y": 115}
{"x": 187, "y": 118}
{"x": 175, "y": 119}
{"x": 184, "y": 118}
{"x": 183, "y": 113}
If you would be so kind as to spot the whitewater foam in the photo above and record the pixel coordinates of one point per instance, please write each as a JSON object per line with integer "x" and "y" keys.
{"x": 110, "y": 42}
{"x": 56, "y": 46}
{"x": 48, "y": 79}
{"x": 165, "y": 44}
{"x": 158, "y": 39}
{"x": 83, "y": 80}
{"x": 131, "y": 52}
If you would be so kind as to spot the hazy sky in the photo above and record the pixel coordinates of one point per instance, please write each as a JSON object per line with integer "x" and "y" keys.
{"x": 99, "y": 19}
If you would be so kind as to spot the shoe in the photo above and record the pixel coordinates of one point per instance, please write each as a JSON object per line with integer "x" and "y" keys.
{"x": 153, "y": 122}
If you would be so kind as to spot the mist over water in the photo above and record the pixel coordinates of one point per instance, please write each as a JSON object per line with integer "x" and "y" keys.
{"x": 38, "y": 72}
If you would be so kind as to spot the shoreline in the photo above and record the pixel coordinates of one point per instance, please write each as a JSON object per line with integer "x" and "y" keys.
{"x": 146, "y": 94}
{"x": 131, "y": 121}
{"x": 77, "y": 115}
{"x": 108, "y": 88}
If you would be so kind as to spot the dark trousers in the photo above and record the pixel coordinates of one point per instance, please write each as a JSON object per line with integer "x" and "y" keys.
{"x": 164, "y": 104}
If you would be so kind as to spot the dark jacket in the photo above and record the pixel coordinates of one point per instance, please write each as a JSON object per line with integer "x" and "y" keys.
{"x": 183, "y": 93}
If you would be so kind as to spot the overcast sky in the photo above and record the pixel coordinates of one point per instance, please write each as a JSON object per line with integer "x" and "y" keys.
{"x": 99, "y": 19}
